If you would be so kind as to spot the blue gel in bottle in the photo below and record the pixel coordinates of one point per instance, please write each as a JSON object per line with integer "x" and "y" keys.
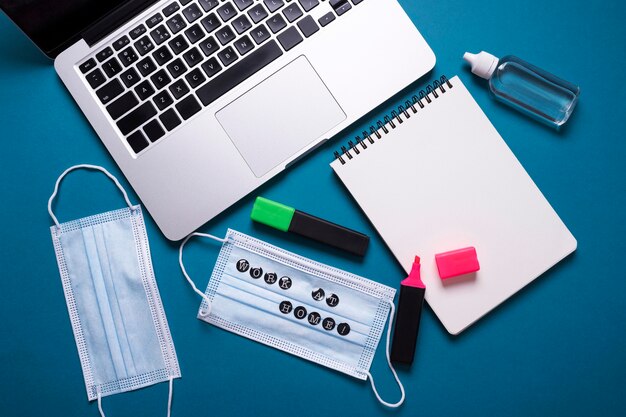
{"x": 526, "y": 88}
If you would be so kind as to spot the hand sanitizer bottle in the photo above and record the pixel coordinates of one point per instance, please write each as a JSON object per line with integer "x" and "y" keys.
{"x": 525, "y": 87}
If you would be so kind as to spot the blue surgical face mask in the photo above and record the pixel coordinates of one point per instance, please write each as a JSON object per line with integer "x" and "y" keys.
{"x": 297, "y": 305}
{"x": 119, "y": 324}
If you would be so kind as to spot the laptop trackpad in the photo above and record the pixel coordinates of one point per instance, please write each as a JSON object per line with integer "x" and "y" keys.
{"x": 280, "y": 116}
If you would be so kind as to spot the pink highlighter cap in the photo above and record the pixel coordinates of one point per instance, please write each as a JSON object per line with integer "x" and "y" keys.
{"x": 457, "y": 262}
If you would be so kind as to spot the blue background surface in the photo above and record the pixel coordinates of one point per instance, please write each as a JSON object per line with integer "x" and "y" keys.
{"x": 558, "y": 347}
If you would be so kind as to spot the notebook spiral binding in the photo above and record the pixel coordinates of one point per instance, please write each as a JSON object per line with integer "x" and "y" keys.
{"x": 430, "y": 93}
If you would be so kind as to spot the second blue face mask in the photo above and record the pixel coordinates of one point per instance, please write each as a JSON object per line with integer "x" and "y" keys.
{"x": 311, "y": 310}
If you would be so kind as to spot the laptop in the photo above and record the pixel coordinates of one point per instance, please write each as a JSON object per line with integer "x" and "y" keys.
{"x": 199, "y": 102}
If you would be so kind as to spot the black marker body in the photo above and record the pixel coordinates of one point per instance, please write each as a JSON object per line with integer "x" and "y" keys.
{"x": 329, "y": 233}
{"x": 407, "y": 324}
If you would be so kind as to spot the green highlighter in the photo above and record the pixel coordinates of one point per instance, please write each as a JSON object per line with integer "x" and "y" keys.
{"x": 288, "y": 219}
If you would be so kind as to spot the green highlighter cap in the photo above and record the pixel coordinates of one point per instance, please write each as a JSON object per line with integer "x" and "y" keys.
{"x": 273, "y": 214}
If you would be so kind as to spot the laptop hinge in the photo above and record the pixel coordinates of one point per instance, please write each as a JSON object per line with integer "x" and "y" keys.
{"x": 114, "y": 19}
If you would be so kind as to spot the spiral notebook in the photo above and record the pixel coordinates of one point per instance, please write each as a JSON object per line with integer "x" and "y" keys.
{"x": 436, "y": 176}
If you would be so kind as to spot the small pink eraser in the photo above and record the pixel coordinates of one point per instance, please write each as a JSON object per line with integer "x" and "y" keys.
{"x": 457, "y": 262}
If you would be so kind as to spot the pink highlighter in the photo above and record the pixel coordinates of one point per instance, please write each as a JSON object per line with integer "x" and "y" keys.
{"x": 457, "y": 262}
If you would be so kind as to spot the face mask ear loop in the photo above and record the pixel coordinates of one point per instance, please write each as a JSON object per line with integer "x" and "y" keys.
{"x": 395, "y": 375}
{"x": 100, "y": 404}
{"x": 83, "y": 166}
{"x": 182, "y": 267}
{"x": 169, "y": 398}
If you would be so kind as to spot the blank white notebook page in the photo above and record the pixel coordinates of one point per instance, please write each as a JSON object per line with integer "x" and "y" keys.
{"x": 444, "y": 179}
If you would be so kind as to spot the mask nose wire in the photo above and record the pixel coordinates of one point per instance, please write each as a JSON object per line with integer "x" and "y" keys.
{"x": 83, "y": 166}
{"x": 395, "y": 375}
{"x": 184, "y": 271}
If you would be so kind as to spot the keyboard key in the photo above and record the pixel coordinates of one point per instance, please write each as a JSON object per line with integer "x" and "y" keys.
{"x": 355, "y": 2}
{"x": 160, "y": 34}
{"x": 88, "y": 65}
{"x": 95, "y": 78}
{"x": 225, "y": 35}
{"x": 137, "y": 32}
{"x": 194, "y": 33}
{"x": 176, "y": 24}
{"x": 146, "y": 66}
{"x": 209, "y": 45}
{"x": 257, "y": 13}
{"x": 273, "y": 5}
{"x": 184, "y": 2}
{"x": 211, "y": 22}
{"x": 188, "y": 107}
{"x": 208, "y": 5}
{"x": 343, "y": 8}
{"x": 176, "y": 68}
{"x": 109, "y": 91}
{"x": 211, "y": 67}
{"x": 193, "y": 57}
{"x": 308, "y": 4}
{"x": 163, "y": 99}
{"x": 112, "y": 67}
{"x": 260, "y": 34}
{"x": 144, "y": 90}
{"x": 170, "y": 119}
{"x": 154, "y": 20}
{"x": 179, "y": 89}
{"x": 195, "y": 78}
{"x": 121, "y": 42}
{"x": 171, "y": 9}
{"x": 308, "y": 26}
{"x": 144, "y": 45}
{"x": 127, "y": 56}
{"x": 289, "y": 38}
{"x": 276, "y": 23}
{"x": 178, "y": 44}
{"x": 153, "y": 130}
{"x": 192, "y": 13}
{"x": 130, "y": 77}
{"x": 162, "y": 55}
{"x": 137, "y": 141}
{"x": 243, "y": 4}
{"x": 104, "y": 54}
{"x": 160, "y": 79}
{"x": 244, "y": 45}
{"x": 122, "y": 105}
{"x": 227, "y": 11}
{"x": 239, "y": 72}
{"x": 326, "y": 19}
{"x": 227, "y": 56}
{"x": 241, "y": 24}
{"x": 292, "y": 12}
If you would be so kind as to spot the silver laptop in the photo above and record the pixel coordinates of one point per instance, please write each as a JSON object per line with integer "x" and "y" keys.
{"x": 201, "y": 101}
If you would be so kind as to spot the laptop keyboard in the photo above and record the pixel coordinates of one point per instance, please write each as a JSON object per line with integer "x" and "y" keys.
{"x": 165, "y": 70}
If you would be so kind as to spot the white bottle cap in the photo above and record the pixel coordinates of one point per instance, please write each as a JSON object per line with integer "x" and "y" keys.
{"x": 483, "y": 64}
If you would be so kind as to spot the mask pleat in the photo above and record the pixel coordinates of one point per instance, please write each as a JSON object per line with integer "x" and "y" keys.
{"x": 136, "y": 327}
{"x": 267, "y": 300}
{"x": 99, "y": 268}
{"x": 263, "y": 315}
{"x": 112, "y": 279}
